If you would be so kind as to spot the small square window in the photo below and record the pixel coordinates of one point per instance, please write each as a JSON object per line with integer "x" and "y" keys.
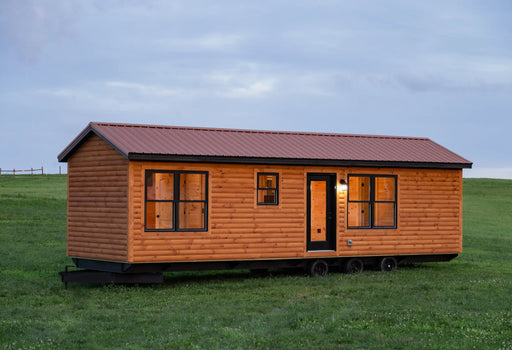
{"x": 268, "y": 188}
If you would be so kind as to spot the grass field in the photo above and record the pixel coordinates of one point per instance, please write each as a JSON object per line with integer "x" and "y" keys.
{"x": 463, "y": 304}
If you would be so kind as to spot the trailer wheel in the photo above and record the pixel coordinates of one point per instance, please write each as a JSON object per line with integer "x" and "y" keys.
{"x": 318, "y": 268}
{"x": 354, "y": 265}
{"x": 388, "y": 264}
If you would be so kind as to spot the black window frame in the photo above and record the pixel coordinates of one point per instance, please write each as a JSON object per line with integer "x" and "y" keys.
{"x": 176, "y": 201}
{"x": 258, "y": 188}
{"x": 372, "y": 201}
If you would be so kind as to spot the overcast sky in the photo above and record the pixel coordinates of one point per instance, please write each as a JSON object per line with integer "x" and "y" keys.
{"x": 437, "y": 69}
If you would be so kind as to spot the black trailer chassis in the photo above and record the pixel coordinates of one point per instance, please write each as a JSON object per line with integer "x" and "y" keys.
{"x": 107, "y": 272}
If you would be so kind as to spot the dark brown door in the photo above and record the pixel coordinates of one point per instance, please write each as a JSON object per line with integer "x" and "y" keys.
{"x": 321, "y": 216}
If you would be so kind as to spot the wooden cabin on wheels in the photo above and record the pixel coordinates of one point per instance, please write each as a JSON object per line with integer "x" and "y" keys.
{"x": 145, "y": 199}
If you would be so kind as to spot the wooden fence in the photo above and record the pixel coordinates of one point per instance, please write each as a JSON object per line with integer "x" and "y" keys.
{"x": 31, "y": 170}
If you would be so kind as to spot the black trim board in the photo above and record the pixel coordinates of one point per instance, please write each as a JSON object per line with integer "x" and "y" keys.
{"x": 292, "y": 161}
{"x": 101, "y": 265}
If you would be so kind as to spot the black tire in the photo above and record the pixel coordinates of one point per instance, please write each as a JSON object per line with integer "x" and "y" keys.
{"x": 388, "y": 263}
{"x": 318, "y": 268}
{"x": 354, "y": 265}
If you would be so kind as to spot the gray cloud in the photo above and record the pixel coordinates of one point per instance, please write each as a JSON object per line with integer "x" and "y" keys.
{"x": 29, "y": 26}
{"x": 455, "y": 72}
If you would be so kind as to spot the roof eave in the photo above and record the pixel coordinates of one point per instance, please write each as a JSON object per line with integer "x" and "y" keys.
{"x": 293, "y": 161}
{"x": 81, "y": 138}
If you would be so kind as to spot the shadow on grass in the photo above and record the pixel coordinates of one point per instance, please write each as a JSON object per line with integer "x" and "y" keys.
{"x": 177, "y": 278}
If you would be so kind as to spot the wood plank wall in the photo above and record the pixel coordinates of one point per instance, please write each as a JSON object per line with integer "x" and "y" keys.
{"x": 429, "y": 216}
{"x": 97, "y": 202}
{"x": 238, "y": 227}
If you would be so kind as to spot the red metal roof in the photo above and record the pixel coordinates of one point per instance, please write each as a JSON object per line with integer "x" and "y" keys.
{"x": 150, "y": 142}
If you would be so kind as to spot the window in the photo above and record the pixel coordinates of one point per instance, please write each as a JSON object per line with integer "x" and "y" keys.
{"x": 372, "y": 201}
{"x": 268, "y": 188}
{"x": 176, "y": 200}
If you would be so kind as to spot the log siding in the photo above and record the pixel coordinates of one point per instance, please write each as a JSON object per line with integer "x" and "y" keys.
{"x": 428, "y": 216}
{"x": 97, "y": 202}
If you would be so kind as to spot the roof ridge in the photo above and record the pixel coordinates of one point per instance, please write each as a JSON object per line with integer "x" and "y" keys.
{"x": 253, "y": 131}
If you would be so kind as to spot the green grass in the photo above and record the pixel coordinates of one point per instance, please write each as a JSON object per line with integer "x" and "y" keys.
{"x": 463, "y": 304}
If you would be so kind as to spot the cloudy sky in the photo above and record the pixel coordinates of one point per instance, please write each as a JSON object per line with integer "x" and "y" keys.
{"x": 437, "y": 69}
